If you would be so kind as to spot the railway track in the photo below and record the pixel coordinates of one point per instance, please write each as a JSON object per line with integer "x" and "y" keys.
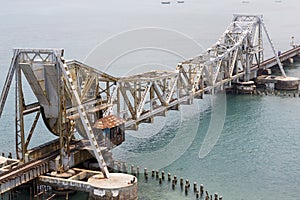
{"x": 28, "y": 171}
{"x": 23, "y": 168}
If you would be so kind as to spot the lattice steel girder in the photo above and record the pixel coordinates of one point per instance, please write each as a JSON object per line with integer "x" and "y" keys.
{"x": 238, "y": 49}
{"x": 140, "y": 94}
{"x": 19, "y": 121}
{"x": 89, "y": 93}
{"x": 22, "y": 137}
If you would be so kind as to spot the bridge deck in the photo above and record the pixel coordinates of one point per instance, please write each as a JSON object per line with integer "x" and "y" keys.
{"x": 271, "y": 62}
{"x": 24, "y": 173}
{"x": 31, "y": 170}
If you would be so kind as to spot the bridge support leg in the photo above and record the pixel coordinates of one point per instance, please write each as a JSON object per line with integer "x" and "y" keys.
{"x": 190, "y": 101}
{"x": 175, "y": 107}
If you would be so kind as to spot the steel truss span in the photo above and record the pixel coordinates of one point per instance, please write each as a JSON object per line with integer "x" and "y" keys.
{"x": 71, "y": 95}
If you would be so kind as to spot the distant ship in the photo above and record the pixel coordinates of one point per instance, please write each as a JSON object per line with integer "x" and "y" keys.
{"x": 180, "y": 1}
{"x": 245, "y": 1}
{"x": 165, "y": 2}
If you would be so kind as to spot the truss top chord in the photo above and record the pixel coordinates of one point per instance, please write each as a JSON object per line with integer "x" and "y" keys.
{"x": 149, "y": 76}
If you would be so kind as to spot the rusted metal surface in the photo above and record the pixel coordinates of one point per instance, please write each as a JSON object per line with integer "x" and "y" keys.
{"x": 24, "y": 173}
{"x": 19, "y": 174}
{"x": 108, "y": 122}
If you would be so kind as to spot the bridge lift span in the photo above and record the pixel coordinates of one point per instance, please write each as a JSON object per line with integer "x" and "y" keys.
{"x": 235, "y": 57}
{"x": 73, "y": 96}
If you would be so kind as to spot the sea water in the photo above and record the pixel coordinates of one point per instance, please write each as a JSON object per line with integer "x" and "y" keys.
{"x": 255, "y": 154}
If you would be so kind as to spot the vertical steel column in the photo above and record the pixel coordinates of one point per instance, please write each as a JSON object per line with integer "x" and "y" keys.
{"x": 64, "y": 137}
{"x": 248, "y": 65}
{"x": 118, "y": 102}
{"x": 260, "y": 42}
{"x": 19, "y": 120}
{"x": 107, "y": 90}
{"x": 152, "y": 99}
{"x": 60, "y": 127}
{"x": 136, "y": 103}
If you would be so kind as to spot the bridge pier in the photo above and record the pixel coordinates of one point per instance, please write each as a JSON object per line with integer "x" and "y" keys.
{"x": 117, "y": 186}
{"x": 280, "y": 83}
{"x": 288, "y": 83}
{"x": 190, "y": 101}
{"x": 120, "y": 186}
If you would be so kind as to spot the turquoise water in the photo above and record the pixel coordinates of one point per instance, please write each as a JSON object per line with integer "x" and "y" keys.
{"x": 256, "y": 157}
{"x": 257, "y": 154}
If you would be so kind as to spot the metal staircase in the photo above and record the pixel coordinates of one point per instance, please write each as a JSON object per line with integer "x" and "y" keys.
{"x": 84, "y": 119}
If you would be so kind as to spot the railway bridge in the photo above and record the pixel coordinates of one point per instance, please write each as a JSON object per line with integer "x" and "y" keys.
{"x": 74, "y": 97}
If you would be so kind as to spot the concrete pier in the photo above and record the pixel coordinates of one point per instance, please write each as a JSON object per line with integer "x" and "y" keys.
{"x": 288, "y": 83}
{"x": 118, "y": 186}
{"x": 281, "y": 83}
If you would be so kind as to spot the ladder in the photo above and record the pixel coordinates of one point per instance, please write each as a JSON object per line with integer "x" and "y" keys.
{"x": 84, "y": 119}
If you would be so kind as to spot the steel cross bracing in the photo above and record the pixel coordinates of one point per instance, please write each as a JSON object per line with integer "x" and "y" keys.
{"x": 64, "y": 93}
{"x": 142, "y": 96}
{"x": 238, "y": 49}
{"x": 73, "y": 95}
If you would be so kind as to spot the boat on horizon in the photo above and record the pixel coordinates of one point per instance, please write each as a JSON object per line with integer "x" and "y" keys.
{"x": 166, "y": 2}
